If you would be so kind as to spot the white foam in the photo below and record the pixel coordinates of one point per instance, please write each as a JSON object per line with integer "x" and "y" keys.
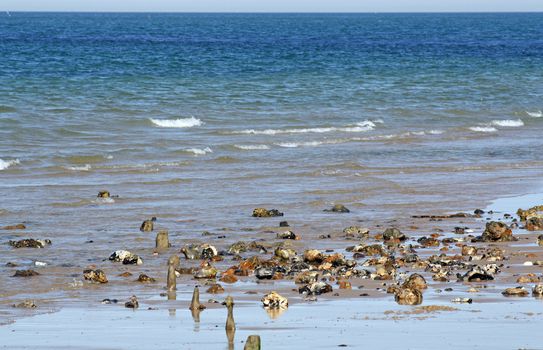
{"x": 302, "y": 144}
{"x": 199, "y": 151}
{"x": 485, "y": 129}
{"x": 177, "y": 123}
{"x": 4, "y": 164}
{"x": 364, "y": 126}
{"x": 252, "y": 147}
{"x": 537, "y": 114}
{"x": 85, "y": 167}
{"x": 508, "y": 123}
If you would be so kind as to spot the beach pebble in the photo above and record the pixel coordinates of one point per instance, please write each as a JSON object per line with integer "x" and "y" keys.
{"x": 14, "y": 227}
{"x": 148, "y": 225}
{"x": 25, "y": 273}
{"x": 274, "y": 300}
{"x": 199, "y": 251}
{"x": 287, "y": 235}
{"x": 215, "y": 289}
{"x": 316, "y": 288}
{"x": 537, "y": 291}
{"x": 529, "y": 278}
{"x": 40, "y": 264}
{"x": 356, "y": 232}
{"x": 95, "y": 276}
{"x": 143, "y": 278}
{"x": 462, "y": 300}
{"x": 516, "y": 291}
{"x": 393, "y": 234}
{"x": 109, "y": 301}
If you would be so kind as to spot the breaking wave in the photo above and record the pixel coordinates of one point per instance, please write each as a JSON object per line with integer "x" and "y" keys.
{"x": 177, "y": 123}
{"x": 4, "y": 164}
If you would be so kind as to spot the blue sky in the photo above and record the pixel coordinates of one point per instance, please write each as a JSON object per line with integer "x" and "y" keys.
{"x": 274, "y": 5}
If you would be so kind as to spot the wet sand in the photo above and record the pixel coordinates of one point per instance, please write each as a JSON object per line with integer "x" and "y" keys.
{"x": 70, "y": 315}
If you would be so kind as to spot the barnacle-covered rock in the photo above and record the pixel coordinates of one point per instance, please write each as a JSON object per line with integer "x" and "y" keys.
{"x": 95, "y": 276}
{"x": 125, "y": 257}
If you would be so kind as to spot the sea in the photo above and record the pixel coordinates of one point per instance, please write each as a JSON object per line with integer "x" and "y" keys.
{"x": 197, "y": 119}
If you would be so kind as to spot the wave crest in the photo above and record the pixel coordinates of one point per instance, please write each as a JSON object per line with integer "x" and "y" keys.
{"x": 252, "y": 147}
{"x": 509, "y": 123}
{"x": 366, "y": 125}
{"x": 199, "y": 151}
{"x": 486, "y": 129}
{"x": 4, "y": 164}
{"x": 177, "y": 123}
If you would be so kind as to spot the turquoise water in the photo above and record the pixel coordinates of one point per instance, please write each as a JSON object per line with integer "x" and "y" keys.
{"x": 197, "y": 119}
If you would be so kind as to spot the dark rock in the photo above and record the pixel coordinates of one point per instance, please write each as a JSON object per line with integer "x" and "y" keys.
{"x": 148, "y": 225}
{"x": 338, "y": 208}
{"x": 27, "y": 304}
{"x": 534, "y": 224}
{"x": 264, "y": 273}
{"x": 104, "y": 194}
{"x": 480, "y": 273}
{"x": 264, "y": 213}
{"x": 109, "y": 301}
{"x": 316, "y": 288}
{"x": 287, "y": 235}
{"x": 407, "y": 296}
{"x": 283, "y": 224}
{"x": 132, "y": 303}
{"x": 143, "y": 278}
{"x": 479, "y": 212}
{"x": 428, "y": 241}
{"x": 415, "y": 281}
{"x": 14, "y": 227}
{"x": 126, "y": 257}
{"x": 393, "y": 234}
{"x": 496, "y": 232}
{"x": 25, "y": 273}
{"x": 459, "y": 230}
{"x": 30, "y": 243}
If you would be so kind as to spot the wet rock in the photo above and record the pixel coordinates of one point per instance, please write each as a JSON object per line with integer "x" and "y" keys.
{"x": 516, "y": 291}
{"x": 459, "y": 230}
{"x": 480, "y": 273}
{"x": 132, "y": 303}
{"x": 199, "y": 251}
{"x": 228, "y": 278}
{"x": 98, "y": 276}
{"x": 104, "y": 194}
{"x": 109, "y": 301}
{"x": 274, "y": 300}
{"x": 30, "y": 243}
{"x": 264, "y": 213}
{"x": 478, "y": 212}
{"x": 143, "y": 278}
{"x": 540, "y": 240}
{"x": 264, "y": 273}
{"x": 462, "y": 300}
{"x": 441, "y": 276}
{"x": 237, "y": 248}
{"x": 356, "y": 232}
{"x": 529, "y": 278}
{"x": 313, "y": 256}
{"x": 496, "y": 232}
{"x": 14, "y": 227}
{"x": 283, "y": 224}
{"x": 415, "y": 281}
{"x": 206, "y": 271}
{"x": 407, "y": 296}
{"x": 345, "y": 285}
{"x": 393, "y": 234}
{"x": 469, "y": 250}
{"x": 284, "y": 253}
{"x": 215, "y": 289}
{"x": 287, "y": 235}
{"x": 316, "y": 288}
{"x": 195, "y": 302}
{"x": 162, "y": 241}
{"x": 536, "y": 211}
{"x": 534, "y": 224}
{"x": 338, "y": 208}
{"x": 27, "y": 304}
{"x": 428, "y": 242}
{"x": 307, "y": 277}
{"x": 252, "y": 343}
{"x": 148, "y": 225}
{"x": 25, "y": 273}
{"x": 370, "y": 250}
{"x": 537, "y": 291}
{"x": 125, "y": 257}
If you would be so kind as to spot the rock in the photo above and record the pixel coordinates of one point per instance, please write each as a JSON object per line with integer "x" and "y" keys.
{"x": 237, "y": 248}
{"x": 162, "y": 242}
{"x": 345, "y": 285}
{"x": 496, "y": 232}
{"x": 415, "y": 281}
{"x": 14, "y": 227}
{"x": 307, "y": 277}
{"x": 517, "y": 291}
{"x": 215, "y": 289}
{"x": 393, "y": 234}
{"x": 540, "y": 240}
{"x": 536, "y": 211}
{"x": 95, "y": 276}
{"x": 283, "y": 224}
{"x": 104, "y": 194}
{"x": 407, "y": 296}
{"x": 370, "y": 250}
{"x": 27, "y": 304}
{"x": 132, "y": 303}
{"x": 529, "y": 278}
{"x": 273, "y": 300}
{"x": 228, "y": 279}
{"x": 534, "y": 224}
{"x": 143, "y": 278}
{"x": 284, "y": 253}
{"x": 206, "y": 271}
{"x": 462, "y": 300}
{"x": 252, "y": 343}
{"x": 538, "y": 291}
{"x": 109, "y": 301}
{"x": 125, "y": 257}
{"x": 338, "y": 208}
{"x": 356, "y": 232}
{"x": 478, "y": 212}
{"x": 195, "y": 302}
{"x": 313, "y": 256}
{"x": 428, "y": 242}
{"x": 199, "y": 251}
{"x": 316, "y": 288}
{"x": 459, "y": 230}
{"x": 30, "y": 243}
{"x": 264, "y": 273}
{"x": 287, "y": 235}
{"x": 469, "y": 250}
{"x": 264, "y": 213}
{"x": 480, "y": 273}
{"x": 25, "y": 273}
{"x": 148, "y": 225}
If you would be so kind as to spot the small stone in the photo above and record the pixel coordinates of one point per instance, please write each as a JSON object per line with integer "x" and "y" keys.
{"x": 148, "y": 225}
{"x": 206, "y": 271}
{"x": 109, "y": 301}
{"x": 25, "y": 273}
{"x": 104, "y": 194}
{"x": 473, "y": 290}
{"x": 345, "y": 285}
{"x": 356, "y": 232}
{"x": 313, "y": 256}
{"x": 14, "y": 227}
{"x": 126, "y": 257}
{"x": 283, "y": 224}
{"x": 316, "y": 288}
{"x": 274, "y": 300}
{"x": 462, "y": 300}
{"x": 30, "y": 243}
{"x": 27, "y": 304}
{"x": 215, "y": 289}
{"x": 95, "y": 276}
{"x": 393, "y": 234}
{"x": 407, "y": 296}
{"x": 199, "y": 251}
{"x": 228, "y": 278}
{"x": 529, "y": 278}
{"x": 264, "y": 213}
{"x": 537, "y": 291}
{"x": 132, "y": 303}
{"x": 143, "y": 278}
{"x": 287, "y": 235}
{"x": 516, "y": 291}
{"x": 338, "y": 208}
